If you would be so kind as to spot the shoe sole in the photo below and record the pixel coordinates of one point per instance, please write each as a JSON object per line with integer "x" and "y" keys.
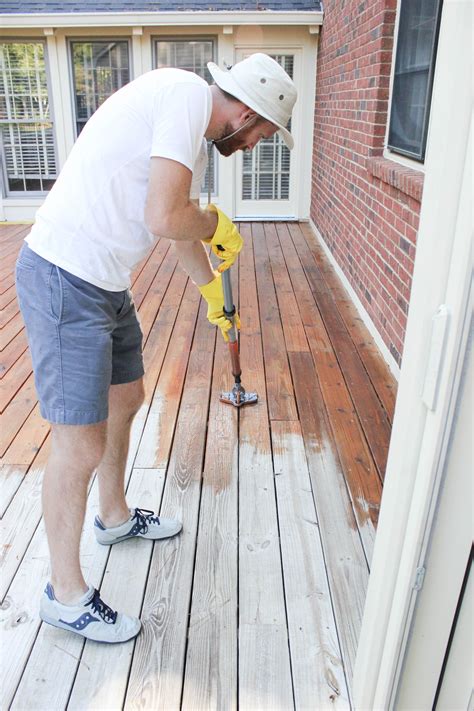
{"x": 62, "y": 626}
{"x": 129, "y": 538}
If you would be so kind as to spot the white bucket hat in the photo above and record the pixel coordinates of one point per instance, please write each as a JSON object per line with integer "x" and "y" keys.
{"x": 262, "y": 85}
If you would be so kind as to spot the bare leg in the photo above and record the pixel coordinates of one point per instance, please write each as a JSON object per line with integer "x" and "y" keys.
{"x": 76, "y": 450}
{"x": 124, "y": 403}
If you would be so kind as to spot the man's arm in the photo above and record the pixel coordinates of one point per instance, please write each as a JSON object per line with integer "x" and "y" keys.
{"x": 194, "y": 259}
{"x": 168, "y": 210}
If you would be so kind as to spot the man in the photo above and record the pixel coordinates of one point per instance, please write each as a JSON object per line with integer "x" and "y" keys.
{"x": 134, "y": 174}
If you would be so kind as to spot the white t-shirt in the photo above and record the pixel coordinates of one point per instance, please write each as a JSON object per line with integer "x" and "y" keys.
{"x": 92, "y": 222}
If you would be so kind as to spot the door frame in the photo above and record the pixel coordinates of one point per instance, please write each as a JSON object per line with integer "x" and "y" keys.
{"x": 271, "y": 209}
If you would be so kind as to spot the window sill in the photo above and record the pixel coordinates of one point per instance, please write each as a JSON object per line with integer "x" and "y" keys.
{"x": 407, "y": 180}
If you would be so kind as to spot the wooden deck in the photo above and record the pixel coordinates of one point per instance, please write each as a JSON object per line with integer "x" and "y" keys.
{"x": 258, "y": 603}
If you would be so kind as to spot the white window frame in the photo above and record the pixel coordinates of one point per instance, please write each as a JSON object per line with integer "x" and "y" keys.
{"x": 92, "y": 38}
{"x": 192, "y": 38}
{"x": 31, "y": 194}
{"x": 405, "y": 161}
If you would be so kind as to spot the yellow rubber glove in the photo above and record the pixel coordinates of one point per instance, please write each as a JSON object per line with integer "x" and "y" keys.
{"x": 227, "y": 236}
{"x": 214, "y": 295}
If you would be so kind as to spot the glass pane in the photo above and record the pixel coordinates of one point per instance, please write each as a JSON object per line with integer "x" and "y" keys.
{"x": 99, "y": 69}
{"x": 268, "y": 164}
{"x": 193, "y": 56}
{"x": 27, "y": 135}
{"x": 415, "y": 52}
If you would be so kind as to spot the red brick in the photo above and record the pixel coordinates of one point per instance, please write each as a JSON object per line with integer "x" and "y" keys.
{"x": 366, "y": 208}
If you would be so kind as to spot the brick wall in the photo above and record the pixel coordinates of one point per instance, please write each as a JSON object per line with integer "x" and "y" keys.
{"x": 365, "y": 207}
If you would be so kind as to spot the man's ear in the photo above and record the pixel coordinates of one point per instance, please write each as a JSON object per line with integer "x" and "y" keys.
{"x": 246, "y": 114}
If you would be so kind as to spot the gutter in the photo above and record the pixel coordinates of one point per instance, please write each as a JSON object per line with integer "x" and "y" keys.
{"x": 143, "y": 19}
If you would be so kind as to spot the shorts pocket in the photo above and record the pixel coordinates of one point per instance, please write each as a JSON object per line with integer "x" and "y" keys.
{"x": 24, "y": 260}
{"x": 25, "y": 264}
{"x": 56, "y": 293}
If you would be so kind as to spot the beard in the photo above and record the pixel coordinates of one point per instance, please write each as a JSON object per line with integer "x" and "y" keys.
{"x": 228, "y": 146}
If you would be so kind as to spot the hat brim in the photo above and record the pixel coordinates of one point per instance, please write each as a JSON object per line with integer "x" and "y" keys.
{"x": 225, "y": 81}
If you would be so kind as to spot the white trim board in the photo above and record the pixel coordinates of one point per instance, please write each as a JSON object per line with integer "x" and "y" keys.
{"x": 369, "y": 324}
{"x": 421, "y": 426}
{"x": 161, "y": 19}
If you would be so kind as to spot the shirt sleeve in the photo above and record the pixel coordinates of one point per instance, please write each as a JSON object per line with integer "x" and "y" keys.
{"x": 181, "y": 114}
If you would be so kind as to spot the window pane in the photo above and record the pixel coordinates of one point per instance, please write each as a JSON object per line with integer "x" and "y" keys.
{"x": 413, "y": 73}
{"x": 99, "y": 69}
{"x": 27, "y": 136}
{"x": 266, "y": 169}
{"x": 193, "y": 56}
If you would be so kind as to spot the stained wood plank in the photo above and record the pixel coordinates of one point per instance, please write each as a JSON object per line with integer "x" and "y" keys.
{"x": 26, "y": 444}
{"x": 12, "y": 352}
{"x": 144, "y": 278}
{"x": 265, "y": 683}
{"x": 8, "y": 261}
{"x": 159, "y": 429}
{"x": 8, "y": 254}
{"x": 16, "y": 413}
{"x": 10, "y": 330}
{"x": 346, "y": 563}
{"x": 384, "y": 382}
{"x": 12, "y": 233}
{"x": 8, "y": 312}
{"x": 7, "y": 282}
{"x": 157, "y": 669}
{"x": 150, "y": 306}
{"x": 371, "y": 413}
{"x": 316, "y": 661}
{"x": 281, "y": 402}
{"x": 14, "y": 379}
{"x": 7, "y": 297}
{"x": 295, "y": 336}
{"x": 355, "y": 456}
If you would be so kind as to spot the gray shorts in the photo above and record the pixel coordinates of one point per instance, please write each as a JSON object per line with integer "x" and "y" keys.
{"x": 82, "y": 340}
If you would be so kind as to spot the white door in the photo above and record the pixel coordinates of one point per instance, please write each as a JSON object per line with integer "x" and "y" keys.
{"x": 266, "y": 176}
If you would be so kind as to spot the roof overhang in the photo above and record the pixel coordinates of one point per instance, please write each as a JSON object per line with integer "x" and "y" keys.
{"x": 146, "y": 19}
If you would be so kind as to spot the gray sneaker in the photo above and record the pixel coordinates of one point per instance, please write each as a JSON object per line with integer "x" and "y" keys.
{"x": 141, "y": 524}
{"x": 90, "y": 617}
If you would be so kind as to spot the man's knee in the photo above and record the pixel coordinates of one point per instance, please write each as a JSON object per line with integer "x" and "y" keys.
{"x": 138, "y": 396}
{"x": 83, "y": 445}
{"x": 127, "y": 398}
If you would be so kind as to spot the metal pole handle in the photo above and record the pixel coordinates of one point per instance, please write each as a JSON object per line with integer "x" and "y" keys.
{"x": 229, "y": 307}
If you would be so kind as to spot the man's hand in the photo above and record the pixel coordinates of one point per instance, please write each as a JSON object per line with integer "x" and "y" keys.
{"x": 214, "y": 295}
{"x": 226, "y": 236}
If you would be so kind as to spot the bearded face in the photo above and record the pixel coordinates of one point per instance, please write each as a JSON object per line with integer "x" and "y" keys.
{"x": 246, "y": 137}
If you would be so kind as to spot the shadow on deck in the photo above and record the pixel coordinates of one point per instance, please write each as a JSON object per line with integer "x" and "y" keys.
{"x": 258, "y": 602}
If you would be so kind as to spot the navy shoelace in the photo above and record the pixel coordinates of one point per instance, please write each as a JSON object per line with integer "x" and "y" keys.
{"x": 143, "y": 517}
{"x": 99, "y": 606}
